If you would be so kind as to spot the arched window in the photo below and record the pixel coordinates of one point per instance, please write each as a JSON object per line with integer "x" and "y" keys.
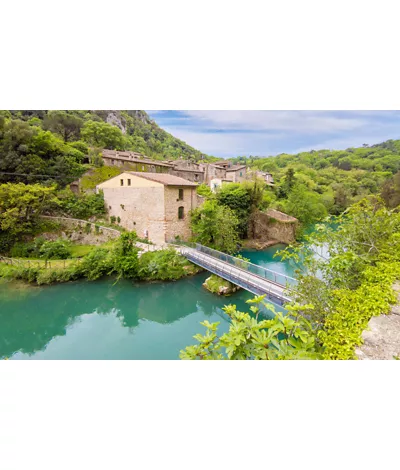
{"x": 181, "y": 212}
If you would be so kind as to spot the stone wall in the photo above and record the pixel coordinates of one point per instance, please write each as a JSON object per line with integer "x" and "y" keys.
{"x": 273, "y": 225}
{"x": 81, "y": 231}
{"x": 173, "y": 225}
{"x": 138, "y": 208}
{"x": 190, "y": 175}
{"x": 211, "y": 172}
{"x": 131, "y": 165}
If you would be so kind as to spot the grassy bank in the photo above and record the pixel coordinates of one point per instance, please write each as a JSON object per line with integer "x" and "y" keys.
{"x": 96, "y": 262}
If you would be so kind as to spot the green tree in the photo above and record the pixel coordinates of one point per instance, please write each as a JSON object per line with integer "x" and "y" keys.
{"x": 289, "y": 181}
{"x": 21, "y": 206}
{"x": 305, "y": 205}
{"x": 103, "y": 135}
{"x": 282, "y": 337}
{"x": 66, "y": 125}
{"x": 391, "y": 191}
{"x": 215, "y": 226}
{"x": 238, "y": 199}
{"x": 337, "y": 254}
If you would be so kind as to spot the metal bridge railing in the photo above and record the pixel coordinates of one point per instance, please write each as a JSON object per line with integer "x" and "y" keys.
{"x": 259, "y": 271}
{"x": 245, "y": 279}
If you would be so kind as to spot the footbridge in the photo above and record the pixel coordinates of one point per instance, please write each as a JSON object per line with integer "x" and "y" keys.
{"x": 255, "y": 279}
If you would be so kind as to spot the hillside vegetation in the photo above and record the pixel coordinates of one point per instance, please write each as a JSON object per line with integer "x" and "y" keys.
{"x": 309, "y": 185}
{"x": 44, "y": 146}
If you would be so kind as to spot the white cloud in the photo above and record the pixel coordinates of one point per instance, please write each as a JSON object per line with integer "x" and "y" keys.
{"x": 225, "y": 144}
{"x": 296, "y": 121}
{"x": 263, "y": 133}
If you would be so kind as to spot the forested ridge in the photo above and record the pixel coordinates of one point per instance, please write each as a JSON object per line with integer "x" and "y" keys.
{"x": 61, "y": 145}
{"x": 329, "y": 181}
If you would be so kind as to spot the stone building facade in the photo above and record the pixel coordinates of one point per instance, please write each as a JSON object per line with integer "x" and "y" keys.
{"x": 212, "y": 171}
{"x": 133, "y": 161}
{"x": 155, "y": 205}
{"x": 186, "y": 169}
{"x": 236, "y": 173}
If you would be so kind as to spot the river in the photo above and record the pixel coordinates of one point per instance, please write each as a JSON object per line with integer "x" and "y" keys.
{"x": 108, "y": 320}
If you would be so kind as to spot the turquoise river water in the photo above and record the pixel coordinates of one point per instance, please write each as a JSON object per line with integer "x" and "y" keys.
{"x": 108, "y": 320}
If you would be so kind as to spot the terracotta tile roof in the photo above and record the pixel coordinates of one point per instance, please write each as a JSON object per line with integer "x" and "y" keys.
{"x": 163, "y": 178}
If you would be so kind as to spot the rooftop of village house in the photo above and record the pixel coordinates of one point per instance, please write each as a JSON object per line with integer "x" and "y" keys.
{"x": 163, "y": 178}
{"x": 236, "y": 167}
{"x": 133, "y": 156}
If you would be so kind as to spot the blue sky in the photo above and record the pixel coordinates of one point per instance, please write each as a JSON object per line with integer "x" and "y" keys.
{"x": 264, "y": 133}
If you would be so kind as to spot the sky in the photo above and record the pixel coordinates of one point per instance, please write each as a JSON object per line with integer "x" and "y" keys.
{"x": 265, "y": 133}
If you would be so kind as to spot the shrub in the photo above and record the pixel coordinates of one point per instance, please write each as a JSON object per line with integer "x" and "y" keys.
{"x": 163, "y": 265}
{"x": 204, "y": 190}
{"x": 58, "y": 249}
{"x": 344, "y": 327}
{"x": 6, "y": 241}
{"x": 80, "y": 207}
{"x": 27, "y": 249}
{"x": 96, "y": 264}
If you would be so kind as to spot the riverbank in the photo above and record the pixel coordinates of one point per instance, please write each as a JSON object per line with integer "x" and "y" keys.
{"x": 121, "y": 260}
{"x": 105, "y": 319}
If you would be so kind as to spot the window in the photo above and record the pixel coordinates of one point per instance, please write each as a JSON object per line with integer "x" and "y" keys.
{"x": 112, "y": 162}
{"x": 196, "y": 177}
{"x": 129, "y": 182}
{"x": 240, "y": 173}
{"x": 122, "y": 182}
{"x": 181, "y": 212}
{"x": 142, "y": 167}
{"x": 180, "y": 198}
{"x": 109, "y": 207}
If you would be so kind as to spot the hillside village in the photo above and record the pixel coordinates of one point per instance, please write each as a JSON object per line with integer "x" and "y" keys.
{"x": 86, "y": 197}
{"x": 154, "y": 198}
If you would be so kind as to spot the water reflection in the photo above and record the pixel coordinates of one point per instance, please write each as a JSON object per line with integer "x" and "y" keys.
{"x": 29, "y": 322}
{"x": 108, "y": 320}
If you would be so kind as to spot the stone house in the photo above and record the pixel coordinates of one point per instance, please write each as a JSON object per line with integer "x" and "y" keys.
{"x": 133, "y": 161}
{"x": 267, "y": 177}
{"x": 155, "y": 205}
{"x": 212, "y": 171}
{"x": 188, "y": 170}
{"x": 224, "y": 164}
{"x": 236, "y": 173}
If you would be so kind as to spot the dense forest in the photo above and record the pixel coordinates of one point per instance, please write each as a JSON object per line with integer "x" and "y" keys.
{"x": 329, "y": 181}
{"x": 43, "y": 146}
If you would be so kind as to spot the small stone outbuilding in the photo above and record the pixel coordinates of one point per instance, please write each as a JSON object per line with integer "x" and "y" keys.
{"x": 155, "y": 205}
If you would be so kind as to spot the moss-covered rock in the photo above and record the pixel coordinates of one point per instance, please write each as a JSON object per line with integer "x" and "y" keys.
{"x": 217, "y": 285}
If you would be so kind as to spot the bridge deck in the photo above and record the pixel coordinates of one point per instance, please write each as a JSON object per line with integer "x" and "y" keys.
{"x": 247, "y": 280}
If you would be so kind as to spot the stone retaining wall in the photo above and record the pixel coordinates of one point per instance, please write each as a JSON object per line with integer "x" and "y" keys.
{"x": 82, "y": 231}
{"x": 273, "y": 225}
